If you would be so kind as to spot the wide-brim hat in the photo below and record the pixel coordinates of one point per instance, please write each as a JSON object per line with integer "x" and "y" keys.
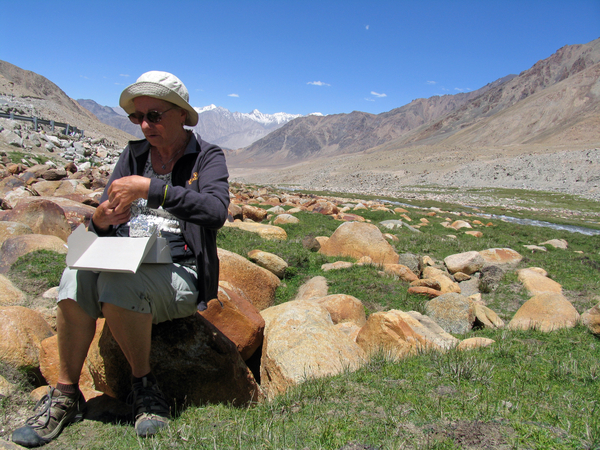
{"x": 162, "y": 85}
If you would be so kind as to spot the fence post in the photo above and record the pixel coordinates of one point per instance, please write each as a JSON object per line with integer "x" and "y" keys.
{"x": 67, "y": 130}
{"x": 52, "y": 125}
{"x": 12, "y": 115}
{"x": 35, "y": 123}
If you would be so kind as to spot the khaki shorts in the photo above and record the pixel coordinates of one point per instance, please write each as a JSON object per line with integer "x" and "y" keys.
{"x": 167, "y": 291}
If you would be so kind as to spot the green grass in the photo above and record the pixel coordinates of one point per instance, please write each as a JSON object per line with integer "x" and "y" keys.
{"x": 17, "y": 157}
{"x": 37, "y": 271}
{"x": 529, "y": 390}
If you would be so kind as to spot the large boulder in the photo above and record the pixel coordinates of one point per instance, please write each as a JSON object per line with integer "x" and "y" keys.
{"x": 267, "y": 232}
{"x": 344, "y": 308}
{"x": 400, "y": 271}
{"x": 430, "y": 331}
{"x": 557, "y": 243}
{"x": 487, "y": 318}
{"x": 254, "y": 213}
{"x": 491, "y": 276}
{"x": 54, "y": 188}
{"x": 10, "y": 229}
{"x": 237, "y": 319}
{"x": 591, "y": 319}
{"x": 193, "y": 361}
{"x": 545, "y": 312}
{"x": 356, "y": 240}
{"x": 447, "y": 285}
{"x": 475, "y": 342}
{"x": 10, "y": 295}
{"x": 42, "y": 216}
{"x": 257, "y": 283}
{"x": 22, "y": 331}
{"x": 453, "y": 312}
{"x": 269, "y": 261}
{"x": 506, "y": 258}
{"x": 301, "y": 342}
{"x": 537, "y": 283}
{"x": 398, "y": 334}
{"x": 314, "y": 288}
{"x": 467, "y": 262}
{"x": 15, "y": 247}
{"x": 285, "y": 219}
{"x": 75, "y": 212}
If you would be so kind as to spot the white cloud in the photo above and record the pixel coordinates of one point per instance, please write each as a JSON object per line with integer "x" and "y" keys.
{"x": 462, "y": 90}
{"x": 123, "y": 75}
{"x": 369, "y": 99}
{"x": 431, "y": 82}
{"x": 378, "y": 95}
{"x": 367, "y": 27}
{"x": 318, "y": 83}
{"x": 233, "y": 95}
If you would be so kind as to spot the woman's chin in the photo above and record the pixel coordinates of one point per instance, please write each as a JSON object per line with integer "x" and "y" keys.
{"x": 153, "y": 139}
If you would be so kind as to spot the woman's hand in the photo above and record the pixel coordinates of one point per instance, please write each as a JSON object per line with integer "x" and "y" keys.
{"x": 105, "y": 216}
{"x": 121, "y": 194}
{"x": 124, "y": 191}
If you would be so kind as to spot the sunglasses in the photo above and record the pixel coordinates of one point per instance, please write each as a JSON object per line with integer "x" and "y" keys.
{"x": 151, "y": 116}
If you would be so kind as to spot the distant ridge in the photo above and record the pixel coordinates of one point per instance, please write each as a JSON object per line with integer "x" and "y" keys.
{"x": 315, "y": 136}
{"x": 555, "y": 102}
{"x": 109, "y": 116}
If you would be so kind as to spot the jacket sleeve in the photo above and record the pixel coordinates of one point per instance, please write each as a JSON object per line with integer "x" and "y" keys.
{"x": 205, "y": 198}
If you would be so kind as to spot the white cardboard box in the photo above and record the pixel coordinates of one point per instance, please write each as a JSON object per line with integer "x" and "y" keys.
{"x": 88, "y": 251}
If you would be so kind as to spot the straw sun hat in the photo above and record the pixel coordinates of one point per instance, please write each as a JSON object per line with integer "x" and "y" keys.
{"x": 162, "y": 85}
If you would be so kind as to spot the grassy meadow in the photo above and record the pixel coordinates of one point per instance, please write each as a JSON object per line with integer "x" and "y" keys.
{"x": 529, "y": 390}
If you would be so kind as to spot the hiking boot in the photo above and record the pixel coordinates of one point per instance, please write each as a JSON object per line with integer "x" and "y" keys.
{"x": 53, "y": 412}
{"x": 150, "y": 408}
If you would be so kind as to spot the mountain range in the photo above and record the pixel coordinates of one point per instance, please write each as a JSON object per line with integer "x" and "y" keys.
{"x": 554, "y": 102}
{"x": 217, "y": 125}
{"x": 503, "y": 134}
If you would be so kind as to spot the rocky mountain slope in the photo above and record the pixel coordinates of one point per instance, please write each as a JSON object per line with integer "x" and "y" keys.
{"x": 34, "y": 94}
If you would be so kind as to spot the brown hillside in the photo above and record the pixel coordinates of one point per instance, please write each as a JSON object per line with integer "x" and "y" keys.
{"x": 26, "y": 89}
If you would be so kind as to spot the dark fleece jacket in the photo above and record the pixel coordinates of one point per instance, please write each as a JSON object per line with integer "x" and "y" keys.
{"x": 199, "y": 198}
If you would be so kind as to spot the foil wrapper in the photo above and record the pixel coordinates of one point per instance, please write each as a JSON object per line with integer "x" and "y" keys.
{"x": 142, "y": 226}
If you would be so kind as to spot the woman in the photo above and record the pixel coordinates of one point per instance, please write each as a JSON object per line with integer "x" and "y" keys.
{"x": 171, "y": 181}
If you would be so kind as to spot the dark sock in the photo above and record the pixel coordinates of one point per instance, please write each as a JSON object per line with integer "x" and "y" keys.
{"x": 70, "y": 390}
{"x": 149, "y": 376}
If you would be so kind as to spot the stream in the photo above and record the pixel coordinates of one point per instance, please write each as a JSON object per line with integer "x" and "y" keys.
{"x": 536, "y": 223}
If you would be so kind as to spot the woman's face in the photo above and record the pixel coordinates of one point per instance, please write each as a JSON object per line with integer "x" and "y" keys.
{"x": 166, "y": 132}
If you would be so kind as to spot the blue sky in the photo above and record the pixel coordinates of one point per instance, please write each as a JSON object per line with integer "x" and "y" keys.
{"x": 290, "y": 56}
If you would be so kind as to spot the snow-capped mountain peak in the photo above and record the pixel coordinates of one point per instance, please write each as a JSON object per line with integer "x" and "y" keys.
{"x": 235, "y": 129}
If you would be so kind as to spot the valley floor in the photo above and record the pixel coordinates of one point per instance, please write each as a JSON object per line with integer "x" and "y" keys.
{"x": 415, "y": 172}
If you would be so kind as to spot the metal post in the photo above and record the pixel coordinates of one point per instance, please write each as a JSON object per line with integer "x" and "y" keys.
{"x": 52, "y": 125}
{"x": 35, "y": 123}
{"x": 67, "y": 130}
{"x": 12, "y": 115}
